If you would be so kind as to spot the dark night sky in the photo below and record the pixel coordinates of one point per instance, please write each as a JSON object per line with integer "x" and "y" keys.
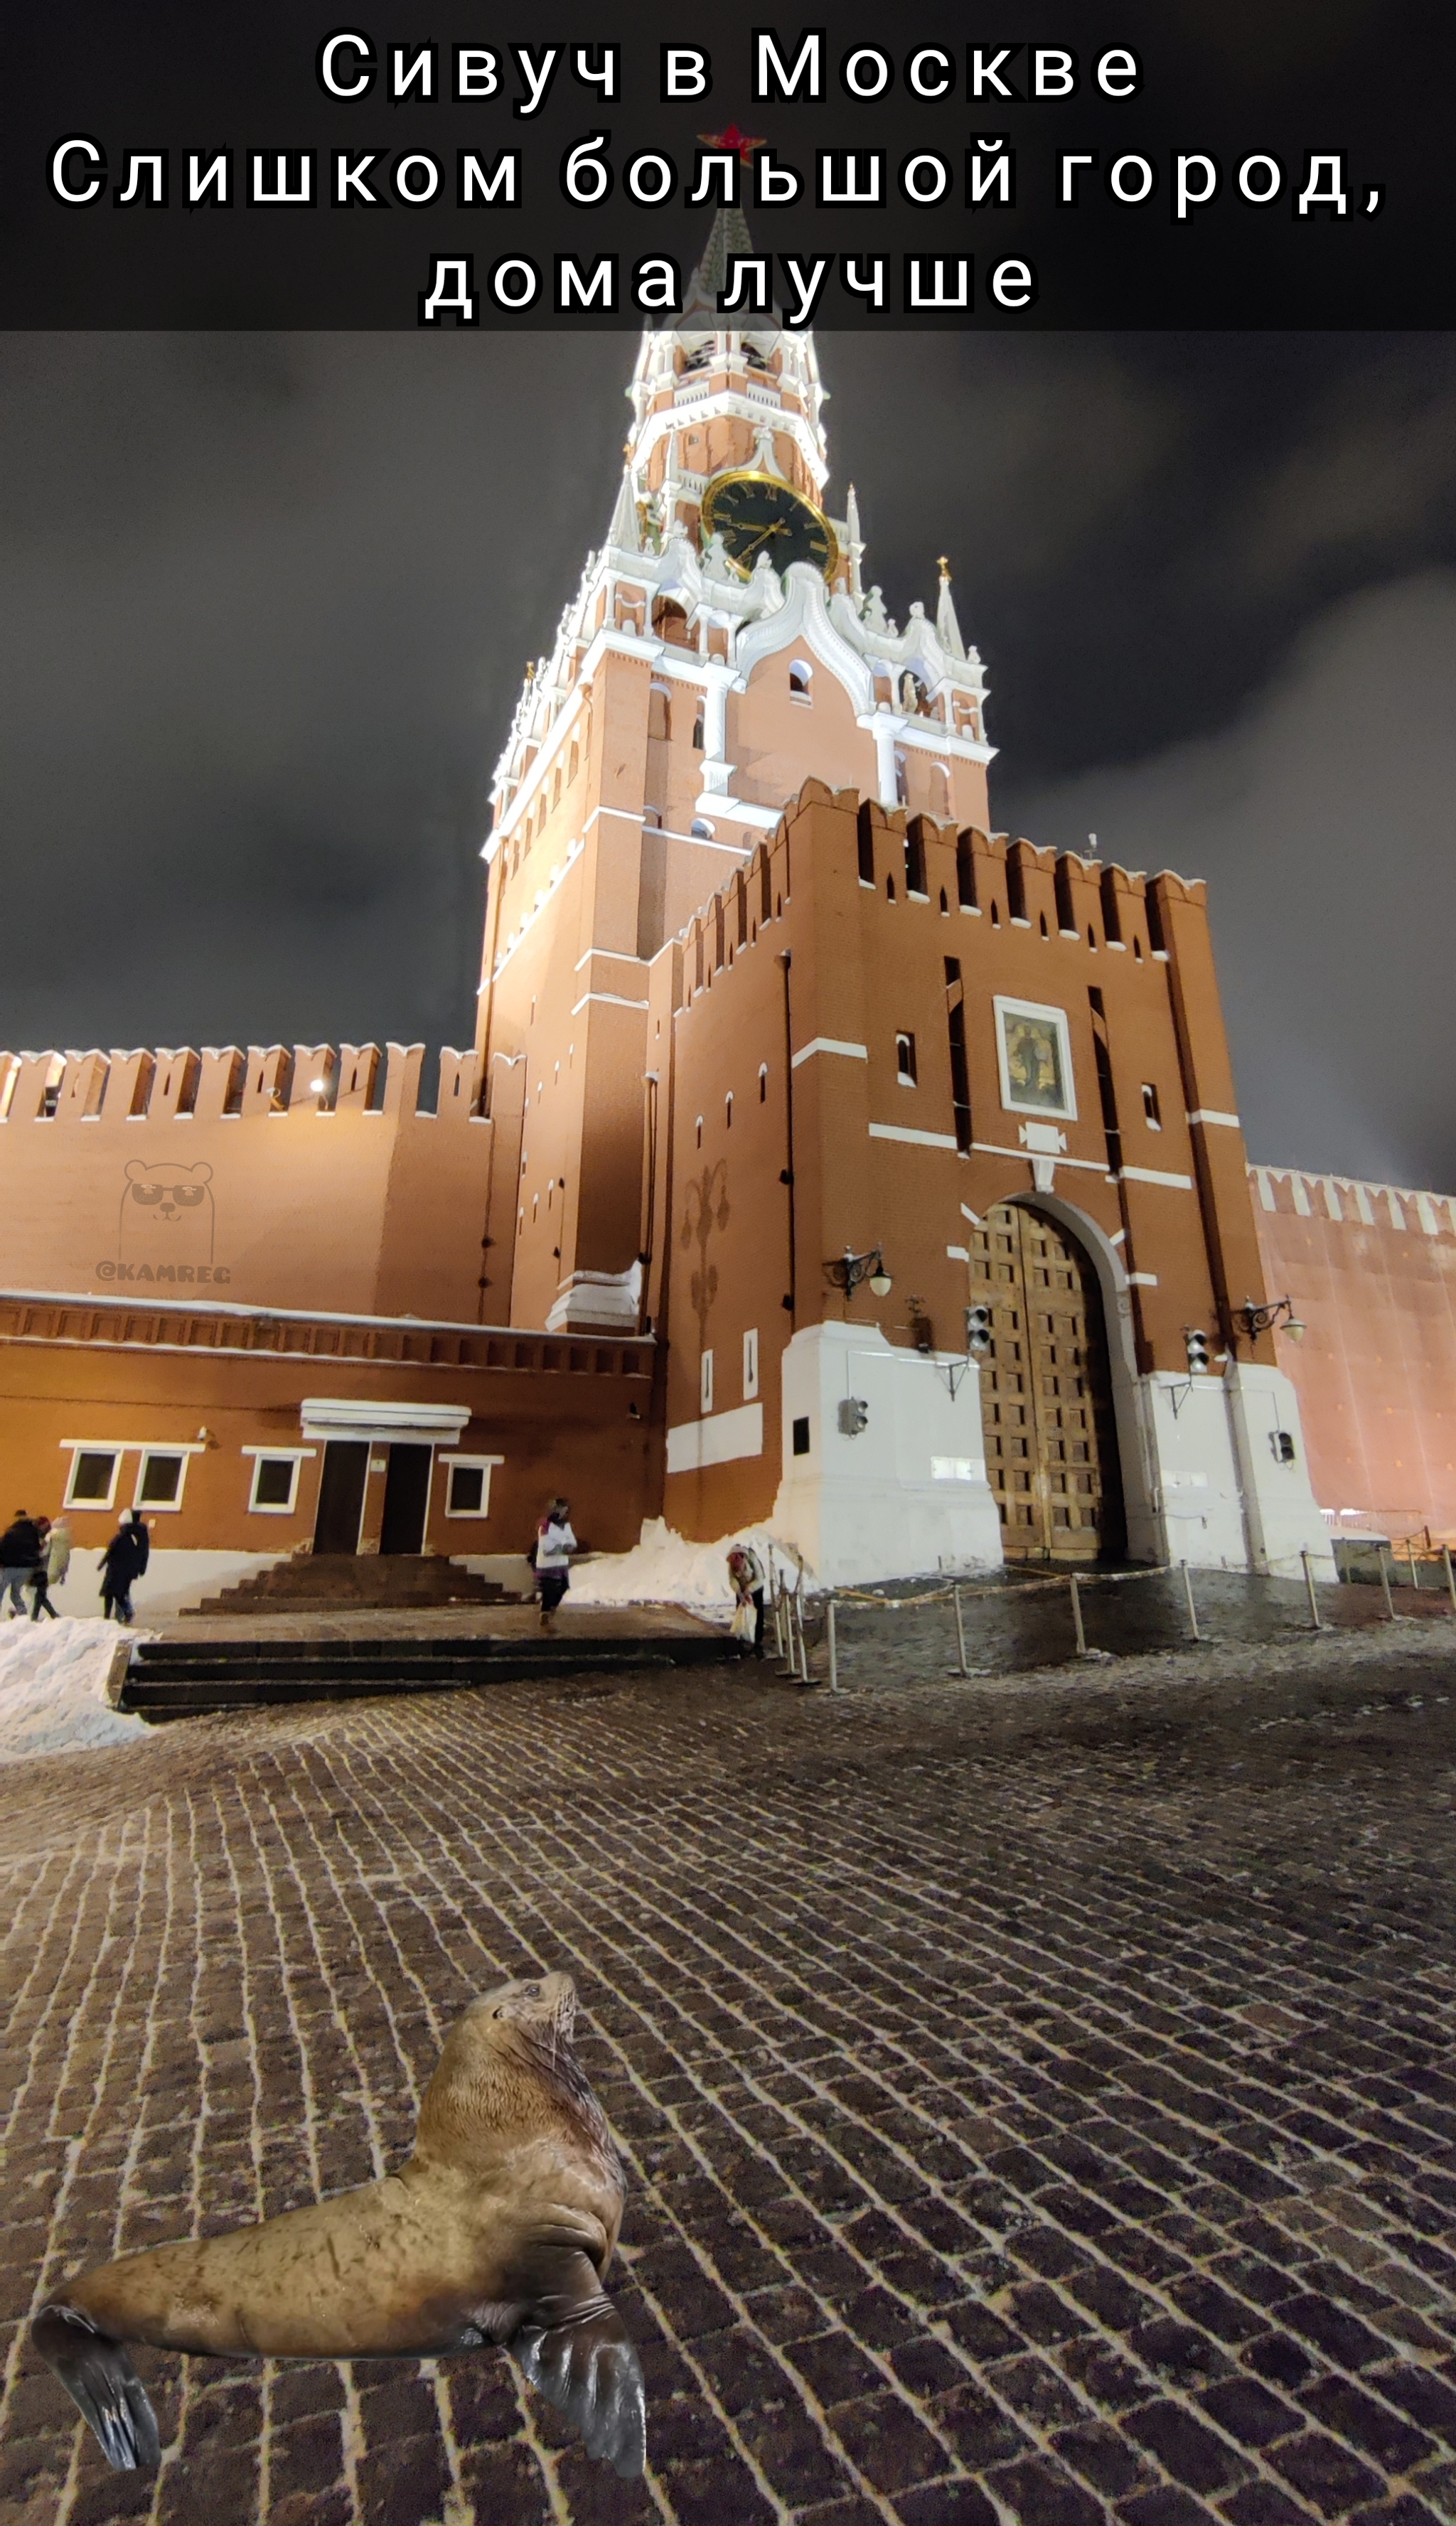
{"x": 265, "y": 602}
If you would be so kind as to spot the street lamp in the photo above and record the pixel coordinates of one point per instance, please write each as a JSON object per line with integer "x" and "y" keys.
{"x": 849, "y": 1270}
{"x": 1276, "y": 1315}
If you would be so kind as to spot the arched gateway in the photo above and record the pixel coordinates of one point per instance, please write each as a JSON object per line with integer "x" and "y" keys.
{"x": 1046, "y": 1391}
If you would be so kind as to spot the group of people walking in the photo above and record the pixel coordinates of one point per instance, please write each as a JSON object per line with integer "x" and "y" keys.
{"x": 35, "y": 1555}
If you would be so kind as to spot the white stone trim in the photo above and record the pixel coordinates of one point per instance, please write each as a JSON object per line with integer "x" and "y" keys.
{"x": 88, "y": 1298}
{"x": 1206, "y": 1114}
{"x": 804, "y": 616}
{"x": 554, "y": 882}
{"x": 420, "y": 1425}
{"x": 1350, "y": 1199}
{"x": 546, "y": 753}
{"x": 917, "y": 1139}
{"x": 721, "y": 802}
{"x": 612, "y": 1000}
{"x": 898, "y": 729}
{"x": 829, "y": 1044}
{"x": 1090, "y": 1166}
{"x": 1153, "y": 1175}
{"x": 127, "y": 1446}
{"x": 721, "y": 1438}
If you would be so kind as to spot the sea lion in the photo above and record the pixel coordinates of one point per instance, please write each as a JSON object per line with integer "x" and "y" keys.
{"x": 498, "y": 2229}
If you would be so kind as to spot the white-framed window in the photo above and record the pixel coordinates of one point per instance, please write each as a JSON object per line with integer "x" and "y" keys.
{"x": 750, "y": 1364}
{"x": 705, "y": 1382}
{"x": 905, "y": 1065}
{"x": 801, "y": 680}
{"x": 274, "y": 1491}
{"x": 468, "y": 1485}
{"x": 1151, "y": 1111}
{"x": 161, "y": 1478}
{"x": 92, "y": 1482}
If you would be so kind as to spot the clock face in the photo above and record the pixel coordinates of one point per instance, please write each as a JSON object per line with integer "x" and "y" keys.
{"x": 756, "y": 513}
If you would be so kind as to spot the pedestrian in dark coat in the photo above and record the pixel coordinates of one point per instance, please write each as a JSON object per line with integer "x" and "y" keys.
{"x": 123, "y": 1562}
{"x": 19, "y": 1550}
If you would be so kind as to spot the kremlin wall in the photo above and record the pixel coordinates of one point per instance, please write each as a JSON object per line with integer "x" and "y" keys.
{"x": 824, "y": 1161}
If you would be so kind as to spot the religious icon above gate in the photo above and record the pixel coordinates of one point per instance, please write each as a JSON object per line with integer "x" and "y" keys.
{"x": 1034, "y": 1052}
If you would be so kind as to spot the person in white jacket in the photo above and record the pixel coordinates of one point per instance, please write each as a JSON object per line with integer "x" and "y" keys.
{"x": 51, "y": 1568}
{"x": 555, "y": 1544}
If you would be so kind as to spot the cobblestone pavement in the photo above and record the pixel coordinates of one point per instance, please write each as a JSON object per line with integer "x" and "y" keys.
{"x": 1036, "y": 2095}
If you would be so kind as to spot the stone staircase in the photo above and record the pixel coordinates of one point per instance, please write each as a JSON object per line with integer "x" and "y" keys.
{"x": 177, "y": 1679}
{"x": 347, "y": 1582}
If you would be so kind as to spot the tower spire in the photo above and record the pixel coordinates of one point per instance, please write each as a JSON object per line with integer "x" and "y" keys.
{"x": 856, "y": 544}
{"x": 623, "y": 531}
{"x": 727, "y": 235}
{"x": 947, "y": 629}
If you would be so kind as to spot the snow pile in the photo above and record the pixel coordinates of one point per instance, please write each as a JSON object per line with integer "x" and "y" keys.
{"x": 666, "y": 1569}
{"x": 53, "y": 1688}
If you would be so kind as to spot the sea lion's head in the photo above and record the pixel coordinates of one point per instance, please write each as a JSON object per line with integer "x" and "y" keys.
{"x": 509, "y": 2051}
{"x": 540, "y": 2012}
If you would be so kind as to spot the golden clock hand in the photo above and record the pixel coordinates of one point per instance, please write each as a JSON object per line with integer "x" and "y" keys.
{"x": 777, "y": 528}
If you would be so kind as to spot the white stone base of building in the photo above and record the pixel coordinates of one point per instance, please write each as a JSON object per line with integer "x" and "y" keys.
{"x": 907, "y": 1494}
{"x": 1208, "y": 1476}
{"x": 171, "y": 1581}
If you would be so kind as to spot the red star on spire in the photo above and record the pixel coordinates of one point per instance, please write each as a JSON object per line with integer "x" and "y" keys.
{"x": 738, "y": 141}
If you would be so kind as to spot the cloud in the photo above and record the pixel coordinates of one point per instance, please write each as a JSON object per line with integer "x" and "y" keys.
{"x": 266, "y": 606}
{"x": 1375, "y": 467}
{"x": 1323, "y": 820}
{"x": 1032, "y": 447}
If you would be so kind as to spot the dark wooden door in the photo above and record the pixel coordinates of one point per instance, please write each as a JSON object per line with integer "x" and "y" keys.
{"x": 1046, "y": 1391}
{"x": 406, "y": 1499}
{"x": 342, "y": 1495}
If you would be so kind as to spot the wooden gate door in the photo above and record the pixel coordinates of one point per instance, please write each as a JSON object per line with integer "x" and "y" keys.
{"x": 1045, "y": 1391}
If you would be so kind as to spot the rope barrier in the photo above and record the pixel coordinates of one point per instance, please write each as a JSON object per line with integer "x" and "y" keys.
{"x": 1009, "y": 1591}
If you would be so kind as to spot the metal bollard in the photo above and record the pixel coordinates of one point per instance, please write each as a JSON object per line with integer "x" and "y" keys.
{"x": 1385, "y": 1584}
{"x": 960, "y": 1629}
{"x": 833, "y": 1642}
{"x": 1450, "y": 1579}
{"x": 1309, "y": 1590}
{"x": 1410, "y": 1550}
{"x": 1081, "y": 1638}
{"x": 1193, "y": 1631}
{"x": 803, "y": 1667}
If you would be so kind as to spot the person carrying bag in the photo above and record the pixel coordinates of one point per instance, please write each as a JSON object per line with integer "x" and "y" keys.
{"x": 551, "y": 1558}
{"x": 746, "y": 1575}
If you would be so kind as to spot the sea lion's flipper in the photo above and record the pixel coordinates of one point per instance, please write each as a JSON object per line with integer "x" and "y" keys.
{"x": 102, "y": 2383}
{"x": 578, "y": 2354}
